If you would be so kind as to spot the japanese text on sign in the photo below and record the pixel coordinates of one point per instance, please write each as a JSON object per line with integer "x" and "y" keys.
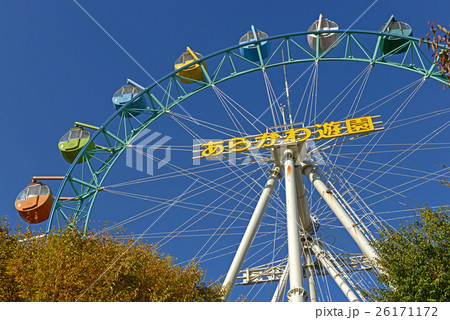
{"x": 327, "y": 130}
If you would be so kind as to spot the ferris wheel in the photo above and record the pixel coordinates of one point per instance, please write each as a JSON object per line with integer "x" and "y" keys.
{"x": 274, "y": 163}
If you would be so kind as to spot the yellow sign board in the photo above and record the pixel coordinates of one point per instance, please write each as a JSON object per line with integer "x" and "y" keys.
{"x": 327, "y": 130}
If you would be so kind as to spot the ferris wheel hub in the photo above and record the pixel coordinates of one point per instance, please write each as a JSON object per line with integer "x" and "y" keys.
{"x": 280, "y": 152}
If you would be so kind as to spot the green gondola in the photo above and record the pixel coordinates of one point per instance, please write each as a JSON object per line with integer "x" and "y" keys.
{"x": 393, "y": 44}
{"x": 73, "y": 142}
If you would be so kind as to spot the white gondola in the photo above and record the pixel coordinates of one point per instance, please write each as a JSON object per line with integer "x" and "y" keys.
{"x": 326, "y": 39}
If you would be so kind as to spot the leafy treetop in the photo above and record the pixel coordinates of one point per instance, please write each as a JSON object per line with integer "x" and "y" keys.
{"x": 416, "y": 259}
{"x": 66, "y": 266}
{"x": 439, "y": 36}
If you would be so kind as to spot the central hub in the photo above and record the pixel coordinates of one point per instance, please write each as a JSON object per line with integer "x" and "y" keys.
{"x": 297, "y": 150}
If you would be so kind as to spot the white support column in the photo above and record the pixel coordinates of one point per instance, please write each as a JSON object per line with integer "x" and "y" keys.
{"x": 302, "y": 203}
{"x": 322, "y": 257}
{"x": 281, "y": 288}
{"x": 250, "y": 232}
{"x": 310, "y": 276}
{"x": 296, "y": 292}
{"x": 342, "y": 215}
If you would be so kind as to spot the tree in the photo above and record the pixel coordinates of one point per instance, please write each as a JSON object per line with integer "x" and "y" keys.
{"x": 66, "y": 266}
{"x": 416, "y": 259}
{"x": 439, "y": 36}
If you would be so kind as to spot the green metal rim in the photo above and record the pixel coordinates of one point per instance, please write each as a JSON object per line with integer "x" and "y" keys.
{"x": 351, "y": 46}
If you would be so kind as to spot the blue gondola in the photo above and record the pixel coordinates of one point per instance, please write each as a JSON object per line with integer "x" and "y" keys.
{"x": 125, "y": 95}
{"x": 250, "y": 51}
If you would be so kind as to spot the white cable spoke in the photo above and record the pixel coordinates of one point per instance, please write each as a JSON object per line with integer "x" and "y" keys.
{"x": 386, "y": 189}
{"x": 308, "y": 84}
{"x": 230, "y": 114}
{"x": 227, "y": 100}
{"x": 273, "y": 101}
{"x": 170, "y": 175}
{"x": 195, "y": 193}
{"x": 393, "y": 117}
{"x": 410, "y": 150}
{"x": 347, "y": 154}
{"x": 397, "y": 167}
{"x": 355, "y": 104}
{"x": 226, "y": 218}
{"x": 388, "y": 97}
{"x": 345, "y": 92}
{"x": 225, "y": 131}
{"x": 311, "y": 104}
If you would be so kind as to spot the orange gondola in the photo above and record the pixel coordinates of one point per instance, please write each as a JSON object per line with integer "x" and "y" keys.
{"x": 35, "y": 202}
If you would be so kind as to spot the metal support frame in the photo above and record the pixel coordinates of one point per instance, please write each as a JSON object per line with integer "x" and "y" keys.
{"x": 250, "y": 232}
{"x": 351, "y": 227}
{"x": 309, "y": 272}
{"x": 281, "y": 288}
{"x": 334, "y": 273}
{"x": 306, "y": 225}
{"x": 269, "y": 272}
{"x": 296, "y": 292}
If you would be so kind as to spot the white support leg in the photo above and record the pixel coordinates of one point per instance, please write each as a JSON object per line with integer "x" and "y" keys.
{"x": 250, "y": 232}
{"x": 306, "y": 224}
{"x": 296, "y": 292}
{"x": 310, "y": 277}
{"x": 281, "y": 288}
{"x": 342, "y": 215}
{"x": 322, "y": 257}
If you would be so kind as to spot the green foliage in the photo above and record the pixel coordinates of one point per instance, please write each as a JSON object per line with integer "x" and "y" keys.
{"x": 416, "y": 259}
{"x": 66, "y": 266}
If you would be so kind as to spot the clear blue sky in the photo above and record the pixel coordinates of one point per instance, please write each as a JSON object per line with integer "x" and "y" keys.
{"x": 57, "y": 66}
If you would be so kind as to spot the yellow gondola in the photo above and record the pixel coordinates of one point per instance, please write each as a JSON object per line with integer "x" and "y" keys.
{"x": 195, "y": 71}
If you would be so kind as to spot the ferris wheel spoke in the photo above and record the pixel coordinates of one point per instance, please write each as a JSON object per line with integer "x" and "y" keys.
{"x": 324, "y": 258}
{"x": 308, "y": 85}
{"x": 311, "y": 106}
{"x": 192, "y": 132}
{"x": 344, "y": 93}
{"x": 347, "y": 155}
{"x": 245, "y": 114}
{"x": 428, "y": 176}
{"x": 274, "y": 105}
{"x": 386, "y": 98}
{"x": 419, "y": 118}
{"x": 355, "y": 104}
{"x": 239, "y": 128}
{"x": 394, "y": 115}
{"x": 392, "y": 119}
{"x": 409, "y": 152}
{"x": 415, "y": 185}
{"x": 196, "y": 193}
{"x": 196, "y": 171}
{"x": 356, "y": 101}
{"x": 222, "y": 223}
{"x": 354, "y": 268}
{"x": 224, "y": 131}
{"x": 205, "y": 181}
{"x": 392, "y": 190}
{"x": 257, "y": 215}
{"x": 238, "y": 217}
